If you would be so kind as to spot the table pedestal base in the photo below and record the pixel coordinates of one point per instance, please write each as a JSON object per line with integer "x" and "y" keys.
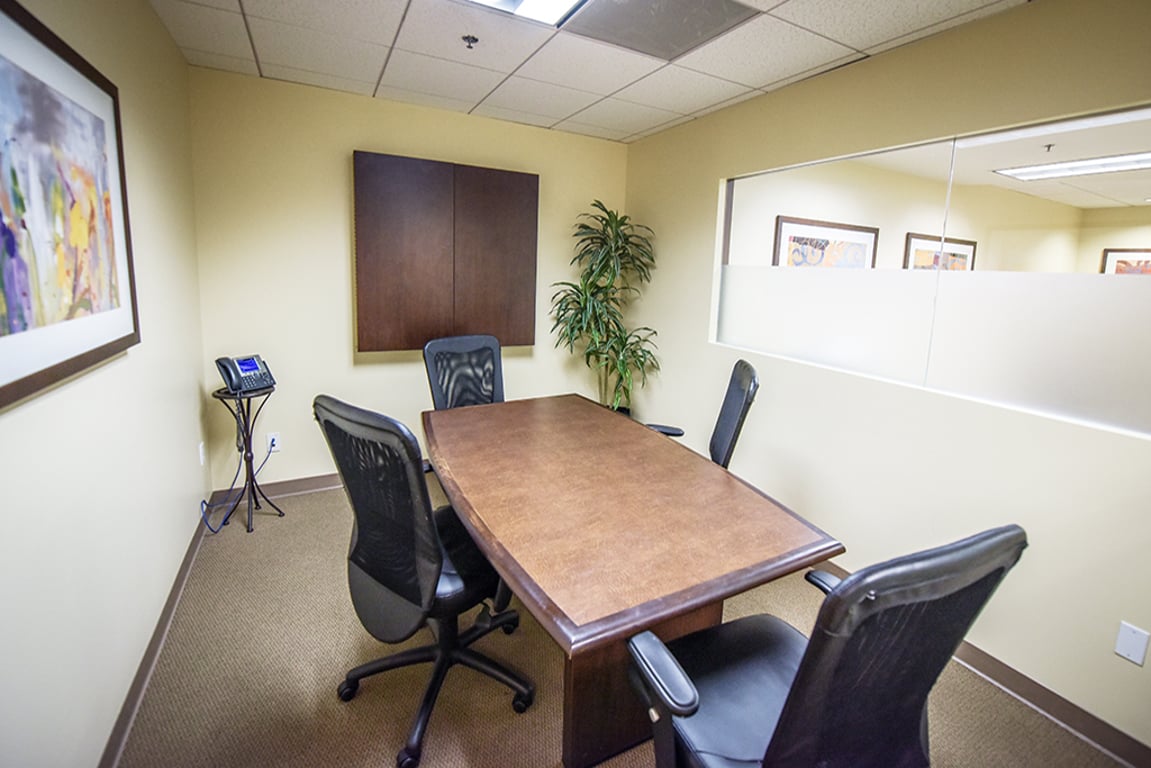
{"x": 602, "y": 714}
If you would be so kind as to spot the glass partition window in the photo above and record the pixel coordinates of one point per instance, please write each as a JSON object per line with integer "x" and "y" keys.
{"x": 918, "y": 265}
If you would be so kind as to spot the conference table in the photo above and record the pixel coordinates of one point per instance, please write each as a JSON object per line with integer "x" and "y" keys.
{"x": 604, "y": 528}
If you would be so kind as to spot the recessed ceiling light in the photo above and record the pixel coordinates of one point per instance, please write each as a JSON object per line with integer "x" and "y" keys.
{"x": 546, "y": 11}
{"x": 1113, "y": 164}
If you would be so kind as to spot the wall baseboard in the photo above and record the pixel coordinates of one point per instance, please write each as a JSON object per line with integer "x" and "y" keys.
{"x": 118, "y": 737}
{"x": 1075, "y": 719}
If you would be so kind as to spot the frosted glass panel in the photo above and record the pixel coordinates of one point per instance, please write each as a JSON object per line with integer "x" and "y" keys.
{"x": 1033, "y": 325}
{"x": 876, "y": 322}
{"x": 1065, "y": 344}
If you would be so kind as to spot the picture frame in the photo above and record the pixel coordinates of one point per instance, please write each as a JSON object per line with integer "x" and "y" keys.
{"x": 923, "y": 252}
{"x": 67, "y": 282}
{"x": 1126, "y": 261}
{"x": 814, "y": 243}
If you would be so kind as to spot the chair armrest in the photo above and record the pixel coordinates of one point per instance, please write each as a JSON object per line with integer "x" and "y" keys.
{"x": 666, "y": 429}
{"x": 662, "y": 675}
{"x": 822, "y": 579}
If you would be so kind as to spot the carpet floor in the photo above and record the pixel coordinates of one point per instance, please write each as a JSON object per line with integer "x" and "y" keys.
{"x": 265, "y": 630}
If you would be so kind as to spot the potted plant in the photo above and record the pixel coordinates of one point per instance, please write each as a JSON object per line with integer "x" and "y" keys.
{"x": 614, "y": 256}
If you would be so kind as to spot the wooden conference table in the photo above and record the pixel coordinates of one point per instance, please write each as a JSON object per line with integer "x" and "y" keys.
{"x": 604, "y": 528}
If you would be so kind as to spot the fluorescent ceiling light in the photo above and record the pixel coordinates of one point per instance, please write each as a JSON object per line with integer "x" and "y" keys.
{"x": 546, "y": 11}
{"x": 1114, "y": 164}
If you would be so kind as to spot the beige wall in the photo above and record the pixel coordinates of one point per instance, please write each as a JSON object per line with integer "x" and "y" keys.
{"x": 273, "y": 177}
{"x": 100, "y": 477}
{"x": 890, "y": 468}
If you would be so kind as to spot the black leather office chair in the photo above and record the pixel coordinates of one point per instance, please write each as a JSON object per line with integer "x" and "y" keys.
{"x": 755, "y": 692}
{"x": 737, "y": 400}
{"x": 464, "y": 370}
{"x": 410, "y": 566}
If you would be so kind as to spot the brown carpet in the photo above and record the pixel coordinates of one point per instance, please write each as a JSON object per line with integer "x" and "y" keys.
{"x": 265, "y": 630}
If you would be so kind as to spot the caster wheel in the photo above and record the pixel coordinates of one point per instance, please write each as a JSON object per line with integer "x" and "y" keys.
{"x": 511, "y": 626}
{"x": 405, "y": 760}
{"x": 347, "y": 690}
{"x": 521, "y": 702}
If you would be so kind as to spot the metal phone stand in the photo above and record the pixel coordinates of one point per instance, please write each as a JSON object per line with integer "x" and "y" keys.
{"x": 239, "y": 404}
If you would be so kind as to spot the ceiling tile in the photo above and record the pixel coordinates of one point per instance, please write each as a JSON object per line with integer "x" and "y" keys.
{"x": 439, "y": 77}
{"x": 862, "y": 24}
{"x": 332, "y": 82}
{"x": 218, "y": 61}
{"x": 578, "y": 62}
{"x": 531, "y": 96}
{"x": 681, "y": 90}
{"x": 594, "y": 131}
{"x": 225, "y": 5}
{"x": 526, "y": 72}
{"x": 201, "y": 28}
{"x": 436, "y": 28}
{"x": 729, "y": 103}
{"x": 624, "y": 116}
{"x": 661, "y": 128}
{"x": 312, "y": 51}
{"x": 512, "y": 115}
{"x": 661, "y": 28}
{"x": 955, "y": 21}
{"x": 825, "y": 67}
{"x": 423, "y": 99}
{"x": 368, "y": 20}
{"x": 763, "y": 51}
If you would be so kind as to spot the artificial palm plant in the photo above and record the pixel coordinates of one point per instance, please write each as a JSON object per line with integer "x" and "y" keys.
{"x": 614, "y": 256}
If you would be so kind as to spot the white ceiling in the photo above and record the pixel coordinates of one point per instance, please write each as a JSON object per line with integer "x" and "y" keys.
{"x": 526, "y": 72}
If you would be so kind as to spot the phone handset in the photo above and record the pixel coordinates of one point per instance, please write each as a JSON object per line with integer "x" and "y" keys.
{"x": 244, "y": 374}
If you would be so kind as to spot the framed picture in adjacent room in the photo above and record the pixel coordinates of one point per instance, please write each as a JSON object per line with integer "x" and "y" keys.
{"x": 67, "y": 292}
{"x": 1126, "y": 261}
{"x": 814, "y": 243}
{"x": 933, "y": 252}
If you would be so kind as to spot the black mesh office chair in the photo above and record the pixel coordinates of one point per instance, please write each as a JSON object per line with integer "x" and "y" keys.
{"x": 755, "y": 692}
{"x": 464, "y": 370}
{"x": 737, "y": 400}
{"x": 741, "y": 389}
{"x": 410, "y": 566}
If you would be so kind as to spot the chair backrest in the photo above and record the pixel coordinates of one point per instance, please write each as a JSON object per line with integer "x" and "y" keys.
{"x": 881, "y": 639}
{"x": 395, "y": 558}
{"x": 464, "y": 370}
{"x": 741, "y": 389}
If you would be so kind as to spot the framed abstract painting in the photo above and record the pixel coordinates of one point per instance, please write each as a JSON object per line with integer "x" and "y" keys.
{"x": 67, "y": 290}
{"x": 1126, "y": 261}
{"x": 814, "y": 243}
{"x": 932, "y": 252}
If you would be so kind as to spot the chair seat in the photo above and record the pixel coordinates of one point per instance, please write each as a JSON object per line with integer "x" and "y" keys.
{"x": 743, "y": 671}
{"x": 466, "y": 577}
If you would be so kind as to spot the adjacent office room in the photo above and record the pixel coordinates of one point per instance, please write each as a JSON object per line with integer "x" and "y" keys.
{"x": 240, "y": 204}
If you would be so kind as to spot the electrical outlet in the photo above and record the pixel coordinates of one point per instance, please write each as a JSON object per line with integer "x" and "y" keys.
{"x": 274, "y": 442}
{"x": 1131, "y": 643}
{"x": 203, "y": 457}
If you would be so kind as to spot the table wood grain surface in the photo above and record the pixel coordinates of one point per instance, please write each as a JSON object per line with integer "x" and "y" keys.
{"x": 603, "y": 526}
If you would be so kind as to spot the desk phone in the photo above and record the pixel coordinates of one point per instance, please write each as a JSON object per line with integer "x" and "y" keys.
{"x": 244, "y": 374}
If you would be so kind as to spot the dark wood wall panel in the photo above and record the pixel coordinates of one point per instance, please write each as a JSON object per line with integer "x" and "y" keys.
{"x": 442, "y": 250}
{"x": 495, "y": 267}
{"x": 403, "y": 250}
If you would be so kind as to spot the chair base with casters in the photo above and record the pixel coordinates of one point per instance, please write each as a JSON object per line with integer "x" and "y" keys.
{"x": 450, "y": 649}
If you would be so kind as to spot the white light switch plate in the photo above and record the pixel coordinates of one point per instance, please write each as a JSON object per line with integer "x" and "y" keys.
{"x": 1131, "y": 643}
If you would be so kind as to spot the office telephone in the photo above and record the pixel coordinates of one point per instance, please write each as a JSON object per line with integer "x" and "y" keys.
{"x": 244, "y": 374}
